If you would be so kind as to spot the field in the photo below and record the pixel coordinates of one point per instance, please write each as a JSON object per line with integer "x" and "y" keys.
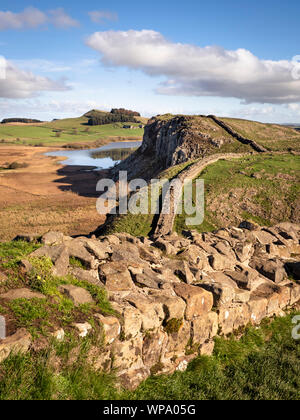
{"x": 45, "y": 195}
{"x": 74, "y": 131}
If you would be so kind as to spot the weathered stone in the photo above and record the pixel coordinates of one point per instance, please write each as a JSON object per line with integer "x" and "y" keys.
{"x": 83, "y": 328}
{"x": 241, "y": 296}
{"x": 222, "y": 293}
{"x": 21, "y": 294}
{"x": 241, "y": 316}
{"x": 204, "y": 328}
{"x": 257, "y": 308}
{"x": 278, "y": 251}
{"x": 58, "y": 254}
{"x": 272, "y": 269}
{"x": 178, "y": 340}
{"x": 151, "y": 311}
{"x": 173, "y": 306}
{"x": 198, "y": 301}
{"x": 132, "y": 319}
{"x": 16, "y": 343}
{"x": 111, "y": 327}
{"x": 97, "y": 248}
{"x": 91, "y": 276}
{"x": 116, "y": 276}
{"x": 25, "y": 266}
{"x": 243, "y": 276}
{"x": 77, "y": 250}
{"x": 154, "y": 345}
{"x": 225, "y": 250}
{"x": 243, "y": 251}
{"x": 295, "y": 293}
{"x": 127, "y": 355}
{"x": 52, "y": 238}
{"x": 221, "y": 262}
{"x": 227, "y": 316}
{"x": 194, "y": 255}
{"x": 263, "y": 237}
{"x": 181, "y": 270}
{"x": 165, "y": 247}
{"x": 126, "y": 253}
{"x": 207, "y": 348}
{"x": 78, "y": 295}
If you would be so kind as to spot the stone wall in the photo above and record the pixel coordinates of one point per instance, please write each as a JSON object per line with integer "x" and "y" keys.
{"x": 173, "y": 294}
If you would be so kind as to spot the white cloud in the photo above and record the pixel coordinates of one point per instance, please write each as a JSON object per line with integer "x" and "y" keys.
{"x": 18, "y": 83}
{"x": 199, "y": 71}
{"x": 60, "y": 19}
{"x": 33, "y": 18}
{"x": 100, "y": 16}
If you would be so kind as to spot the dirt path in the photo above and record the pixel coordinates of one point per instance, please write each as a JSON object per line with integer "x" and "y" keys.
{"x": 45, "y": 195}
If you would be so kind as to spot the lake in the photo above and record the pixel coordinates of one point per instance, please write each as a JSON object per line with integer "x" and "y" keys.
{"x": 103, "y": 157}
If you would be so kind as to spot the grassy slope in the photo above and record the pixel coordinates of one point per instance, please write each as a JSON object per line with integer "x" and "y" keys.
{"x": 43, "y": 134}
{"x": 261, "y": 188}
{"x": 272, "y": 136}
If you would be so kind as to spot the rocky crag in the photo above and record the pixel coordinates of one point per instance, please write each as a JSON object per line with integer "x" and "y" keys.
{"x": 172, "y": 140}
{"x": 170, "y": 295}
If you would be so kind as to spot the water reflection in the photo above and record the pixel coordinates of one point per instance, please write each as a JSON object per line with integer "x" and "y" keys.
{"x": 104, "y": 157}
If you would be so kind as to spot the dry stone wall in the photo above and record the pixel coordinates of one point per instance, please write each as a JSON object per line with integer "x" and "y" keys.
{"x": 172, "y": 294}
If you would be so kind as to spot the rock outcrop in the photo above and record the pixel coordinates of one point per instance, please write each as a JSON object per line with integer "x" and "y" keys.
{"x": 169, "y": 141}
{"x": 170, "y": 307}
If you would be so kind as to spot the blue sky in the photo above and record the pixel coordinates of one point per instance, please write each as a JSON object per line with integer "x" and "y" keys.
{"x": 231, "y": 58}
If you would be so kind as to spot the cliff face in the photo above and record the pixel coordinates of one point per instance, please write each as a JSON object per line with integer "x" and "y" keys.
{"x": 170, "y": 141}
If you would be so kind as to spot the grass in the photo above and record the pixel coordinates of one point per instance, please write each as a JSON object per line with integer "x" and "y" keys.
{"x": 43, "y": 135}
{"x": 240, "y": 189}
{"x": 263, "y": 365}
{"x": 272, "y": 136}
{"x": 11, "y": 253}
{"x": 248, "y": 188}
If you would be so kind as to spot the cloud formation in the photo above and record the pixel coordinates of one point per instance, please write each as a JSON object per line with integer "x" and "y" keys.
{"x": 32, "y": 18}
{"x": 17, "y": 83}
{"x": 199, "y": 71}
{"x": 100, "y": 16}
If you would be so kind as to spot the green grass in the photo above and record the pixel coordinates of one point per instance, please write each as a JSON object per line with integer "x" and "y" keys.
{"x": 263, "y": 365}
{"x": 44, "y": 135}
{"x": 272, "y": 136}
{"x": 11, "y": 253}
{"x": 265, "y": 179}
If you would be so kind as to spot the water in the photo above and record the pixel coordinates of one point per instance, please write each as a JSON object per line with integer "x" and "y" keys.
{"x": 104, "y": 157}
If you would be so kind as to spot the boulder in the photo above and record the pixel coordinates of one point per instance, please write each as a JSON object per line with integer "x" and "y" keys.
{"x": 272, "y": 269}
{"x": 293, "y": 268}
{"x": 132, "y": 319}
{"x": 16, "y": 343}
{"x": 243, "y": 251}
{"x": 52, "y": 238}
{"x": 257, "y": 308}
{"x": 78, "y": 250}
{"x": 173, "y": 306}
{"x": 111, "y": 327}
{"x": 82, "y": 328}
{"x": 263, "y": 237}
{"x": 154, "y": 345}
{"x": 116, "y": 277}
{"x": 58, "y": 254}
{"x": 198, "y": 301}
{"x": 221, "y": 262}
{"x": 22, "y": 293}
{"x": 204, "y": 328}
{"x": 78, "y": 295}
{"x": 90, "y": 276}
{"x": 152, "y": 313}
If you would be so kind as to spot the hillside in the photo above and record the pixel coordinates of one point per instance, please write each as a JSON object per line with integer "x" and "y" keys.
{"x": 245, "y": 188}
{"x": 74, "y": 131}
